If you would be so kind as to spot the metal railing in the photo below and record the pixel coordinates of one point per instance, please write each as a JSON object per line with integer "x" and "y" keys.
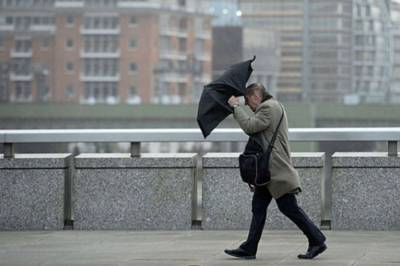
{"x": 136, "y": 136}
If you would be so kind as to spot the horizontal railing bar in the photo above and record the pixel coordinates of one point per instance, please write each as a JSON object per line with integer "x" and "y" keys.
{"x": 191, "y": 135}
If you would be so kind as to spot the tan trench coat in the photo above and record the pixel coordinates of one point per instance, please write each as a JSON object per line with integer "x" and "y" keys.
{"x": 284, "y": 178}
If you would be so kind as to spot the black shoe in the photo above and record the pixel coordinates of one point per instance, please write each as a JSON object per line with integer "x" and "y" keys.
{"x": 313, "y": 251}
{"x": 240, "y": 253}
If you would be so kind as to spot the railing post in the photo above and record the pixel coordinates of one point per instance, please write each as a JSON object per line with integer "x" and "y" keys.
{"x": 9, "y": 150}
{"x": 197, "y": 192}
{"x": 326, "y": 192}
{"x": 68, "y": 185}
{"x": 392, "y": 148}
{"x": 135, "y": 149}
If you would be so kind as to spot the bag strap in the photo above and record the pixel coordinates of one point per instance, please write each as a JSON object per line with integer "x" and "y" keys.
{"x": 271, "y": 144}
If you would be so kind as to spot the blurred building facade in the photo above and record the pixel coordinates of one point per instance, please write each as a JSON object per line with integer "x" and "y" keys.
{"x": 337, "y": 51}
{"x": 285, "y": 19}
{"x": 104, "y": 51}
{"x": 395, "y": 29}
{"x": 372, "y": 51}
{"x": 327, "y": 51}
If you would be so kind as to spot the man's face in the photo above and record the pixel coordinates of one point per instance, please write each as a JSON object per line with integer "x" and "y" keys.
{"x": 253, "y": 100}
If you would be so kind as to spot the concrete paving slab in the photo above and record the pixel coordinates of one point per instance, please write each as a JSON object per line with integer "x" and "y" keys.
{"x": 191, "y": 248}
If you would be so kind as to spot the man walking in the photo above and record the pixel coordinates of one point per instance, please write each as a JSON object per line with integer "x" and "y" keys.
{"x": 284, "y": 184}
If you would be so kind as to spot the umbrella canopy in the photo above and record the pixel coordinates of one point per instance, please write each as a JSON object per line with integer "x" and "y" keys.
{"x": 213, "y": 105}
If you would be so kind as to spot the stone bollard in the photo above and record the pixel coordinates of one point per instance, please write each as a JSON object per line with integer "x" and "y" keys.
{"x": 32, "y": 191}
{"x": 365, "y": 191}
{"x": 227, "y": 200}
{"x": 115, "y": 191}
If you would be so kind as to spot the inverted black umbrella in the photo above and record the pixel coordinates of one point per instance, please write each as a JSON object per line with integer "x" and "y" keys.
{"x": 213, "y": 105}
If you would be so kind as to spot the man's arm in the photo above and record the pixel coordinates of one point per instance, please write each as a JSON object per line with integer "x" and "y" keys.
{"x": 255, "y": 122}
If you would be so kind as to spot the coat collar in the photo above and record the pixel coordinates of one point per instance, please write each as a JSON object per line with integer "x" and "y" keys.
{"x": 264, "y": 103}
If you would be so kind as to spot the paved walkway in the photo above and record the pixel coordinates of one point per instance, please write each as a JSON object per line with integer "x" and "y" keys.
{"x": 191, "y": 248}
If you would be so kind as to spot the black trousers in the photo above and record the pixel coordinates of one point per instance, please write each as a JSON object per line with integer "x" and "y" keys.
{"x": 287, "y": 204}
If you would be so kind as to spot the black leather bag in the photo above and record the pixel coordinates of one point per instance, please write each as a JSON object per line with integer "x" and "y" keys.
{"x": 254, "y": 162}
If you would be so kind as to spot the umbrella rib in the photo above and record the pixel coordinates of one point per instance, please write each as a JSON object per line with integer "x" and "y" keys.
{"x": 221, "y": 103}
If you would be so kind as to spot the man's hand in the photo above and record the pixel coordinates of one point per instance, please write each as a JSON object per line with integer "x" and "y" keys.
{"x": 233, "y": 101}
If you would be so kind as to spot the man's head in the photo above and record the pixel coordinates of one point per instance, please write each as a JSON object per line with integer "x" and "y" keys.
{"x": 255, "y": 95}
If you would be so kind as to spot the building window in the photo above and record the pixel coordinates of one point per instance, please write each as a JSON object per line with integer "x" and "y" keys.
{"x": 101, "y": 67}
{"x": 69, "y": 67}
{"x": 182, "y": 44}
{"x": 199, "y": 47}
{"x": 358, "y": 85}
{"x": 23, "y": 45}
{"x": 23, "y": 91}
{"x": 133, "y": 67}
{"x": 182, "y": 90}
{"x": 132, "y": 44}
{"x": 371, "y": 25}
{"x": 105, "y": 22}
{"x": 69, "y": 43}
{"x": 70, "y": 91}
{"x": 133, "y": 21}
{"x": 165, "y": 44}
{"x": 206, "y": 25}
{"x": 368, "y": 10}
{"x": 9, "y": 20}
{"x": 21, "y": 66}
{"x": 1, "y": 43}
{"x": 171, "y": 22}
{"x": 36, "y": 21}
{"x": 182, "y": 3}
{"x": 100, "y": 3}
{"x": 44, "y": 93}
{"x": 101, "y": 92}
{"x": 359, "y": 55}
{"x": 183, "y": 24}
{"x": 22, "y": 23}
{"x": 359, "y": 40}
{"x": 382, "y": 71}
{"x": 70, "y": 20}
{"x": 133, "y": 96}
{"x": 358, "y": 8}
{"x": 359, "y": 25}
{"x": 133, "y": 91}
{"x": 45, "y": 43}
{"x": 114, "y": 92}
{"x": 370, "y": 71}
{"x": 100, "y": 43}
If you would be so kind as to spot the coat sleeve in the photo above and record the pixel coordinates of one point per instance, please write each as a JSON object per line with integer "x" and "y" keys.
{"x": 253, "y": 123}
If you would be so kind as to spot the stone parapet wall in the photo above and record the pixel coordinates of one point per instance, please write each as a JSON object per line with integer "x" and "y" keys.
{"x": 115, "y": 191}
{"x": 32, "y": 191}
{"x": 159, "y": 192}
{"x": 365, "y": 191}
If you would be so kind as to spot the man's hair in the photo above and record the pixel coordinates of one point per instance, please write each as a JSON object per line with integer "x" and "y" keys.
{"x": 259, "y": 89}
